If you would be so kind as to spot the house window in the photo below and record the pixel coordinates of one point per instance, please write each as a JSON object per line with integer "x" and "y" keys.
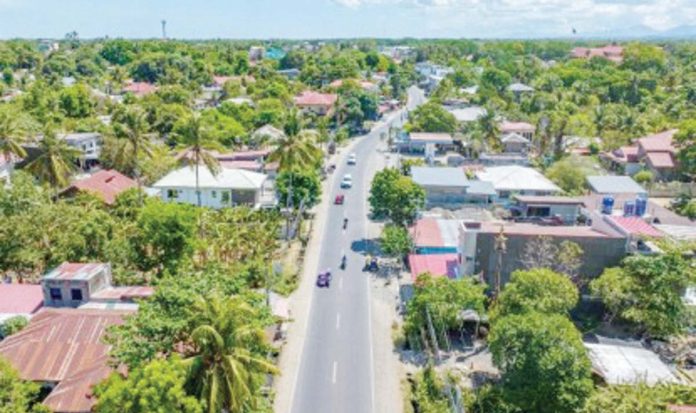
{"x": 213, "y": 194}
{"x": 225, "y": 197}
{"x": 76, "y": 294}
{"x": 172, "y": 193}
{"x": 56, "y": 295}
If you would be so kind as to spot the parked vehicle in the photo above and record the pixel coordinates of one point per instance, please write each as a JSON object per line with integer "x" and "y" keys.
{"x": 339, "y": 199}
{"x": 352, "y": 159}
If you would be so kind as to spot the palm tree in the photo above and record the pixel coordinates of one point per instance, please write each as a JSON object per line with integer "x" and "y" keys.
{"x": 489, "y": 127}
{"x": 132, "y": 142}
{"x": 197, "y": 141}
{"x": 229, "y": 364}
{"x": 297, "y": 149}
{"x": 57, "y": 160}
{"x": 12, "y": 131}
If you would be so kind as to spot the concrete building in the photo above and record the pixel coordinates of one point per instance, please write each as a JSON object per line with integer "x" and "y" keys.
{"x": 321, "y": 104}
{"x": 433, "y": 236}
{"x": 229, "y": 187}
{"x": 477, "y": 246}
{"x": 521, "y": 128}
{"x": 77, "y": 284}
{"x": 514, "y": 143}
{"x": 517, "y": 180}
{"x": 566, "y": 208}
{"x": 88, "y": 143}
{"x": 615, "y": 185}
{"x": 449, "y": 186}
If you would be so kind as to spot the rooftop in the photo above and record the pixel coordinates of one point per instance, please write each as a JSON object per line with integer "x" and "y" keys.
{"x": 107, "y": 184}
{"x": 185, "y": 177}
{"x": 20, "y": 298}
{"x": 659, "y": 142}
{"x": 439, "y": 176}
{"x": 611, "y": 184}
{"x": 439, "y": 265}
{"x": 513, "y": 137}
{"x": 625, "y": 364}
{"x": 520, "y": 87}
{"x": 76, "y": 271}
{"x": 525, "y": 229}
{"x": 548, "y": 200}
{"x": 635, "y": 226}
{"x": 63, "y": 345}
{"x": 507, "y": 126}
{"x": 517, "y": 178}
{"x": 127, "y": 293}
{"x": 140, "y": 88}
{"x": 434, "y": 232}
{"x": 660, "y": 159}
{"x": 429, "y": 137}
{"x": 469, "y": 114}
{"x": 310, "y": 98}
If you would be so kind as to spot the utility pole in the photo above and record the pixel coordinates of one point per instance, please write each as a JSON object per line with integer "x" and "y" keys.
{"x": 501, "y": 249}
{"x": 164, "y": 30}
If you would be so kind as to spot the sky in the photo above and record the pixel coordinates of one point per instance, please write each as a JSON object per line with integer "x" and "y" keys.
{"x": 306, "y": 19}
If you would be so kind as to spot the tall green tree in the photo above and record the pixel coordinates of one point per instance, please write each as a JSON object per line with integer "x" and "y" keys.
{"x": 191, "y": 134}
{"x": 540, "y": 290}
{"x": 640, "y": 398}
{"x": 395, "y": 196}
{"x": 157, "y": 387}
{"x": 298, "y": 148}
{"x": 229, "y": 364}
{"x": 56, "y": 161}
{"x": 647, "y": 290}
{"x": 17, "y": 395}
{"x": 12, "y": 136}
{"x": 542, "y": 361}
{"x": 132, "y": 143}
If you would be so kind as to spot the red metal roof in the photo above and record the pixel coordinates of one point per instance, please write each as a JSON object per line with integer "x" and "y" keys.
{"x": 106, "y": 184}
{"x": 660, "y": 159}
{"x": 310, "y": 98}
{"x": 681, "y": 409}
{"x": 506, "y": 127}
{"x": 74, "y": 394}
{"x": 426, "y": 233}
{"x": 140, "y": 88}
{"x": 636, "y": 226}
{"x": 439, "y": 265}
{"x": 60, "y": 342}
{"x": 20, "y": 298}
{"x": 659, "y": 142}
{"x": 75, "y": 270}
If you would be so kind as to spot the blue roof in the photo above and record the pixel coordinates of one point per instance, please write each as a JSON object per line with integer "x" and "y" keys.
{"x": 610, "y": 184}
{"x": 435, "y": 176}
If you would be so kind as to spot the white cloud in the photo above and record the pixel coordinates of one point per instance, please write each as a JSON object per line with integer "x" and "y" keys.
{"x": 549, "y": 15}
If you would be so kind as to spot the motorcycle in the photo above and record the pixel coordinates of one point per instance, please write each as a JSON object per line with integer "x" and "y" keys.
{"x": 345, "y": 223}
{"x": 344, "y": 262}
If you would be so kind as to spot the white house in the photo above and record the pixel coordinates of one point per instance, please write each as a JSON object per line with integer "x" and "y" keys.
{"x": 228, "y": 188}
{"x": 518, "y": 180}
{"x": 89, "y": 143}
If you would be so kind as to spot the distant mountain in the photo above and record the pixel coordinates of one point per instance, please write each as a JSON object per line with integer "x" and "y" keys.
{"x": 644, "y": 32}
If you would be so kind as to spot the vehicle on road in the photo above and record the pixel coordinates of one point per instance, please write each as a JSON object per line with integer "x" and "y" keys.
{"x": 344, "y": 262}
{"x": 352, "y": 159}
{"x": 347, "y": 181}
{"x": 339, "y": 199}
{"x": 345, "y": 223}
{"x": 323, "y": 279}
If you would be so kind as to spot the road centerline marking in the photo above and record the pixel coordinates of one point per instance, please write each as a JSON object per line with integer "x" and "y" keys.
{"x": 333, "y": 374}
{"x": 338, "y": 321}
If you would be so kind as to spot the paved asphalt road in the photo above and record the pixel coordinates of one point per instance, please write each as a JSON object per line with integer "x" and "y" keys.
{"x": 336, "y": 371}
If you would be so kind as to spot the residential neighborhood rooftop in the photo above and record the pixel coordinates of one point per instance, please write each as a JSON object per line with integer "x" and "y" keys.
{"x": 439, "y": 176}
{"x": 311, "y": 98}
{"x": 106, "y": 184}
{"x": 517, "y": 178}
{"x": 612, "y": 184}
{"x": 75, "y": 271}
{"x": 185, "y": 177}
{"x": 549, "y": 200}
{"x": 525, "y": 229}
{"x": 438, "y": 265}
{"x": 628, "y": 364}
{"x": 19, "y": 299}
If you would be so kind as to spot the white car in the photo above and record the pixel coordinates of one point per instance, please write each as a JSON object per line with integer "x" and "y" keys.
{"x": 347, "y": 181}
{"x": 352, "y": 159}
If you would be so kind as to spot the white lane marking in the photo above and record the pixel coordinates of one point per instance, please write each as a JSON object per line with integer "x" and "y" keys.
{"x": 340, "y": 283}
{"x": 338, "y": 321}
{"x": 333, "y": 375}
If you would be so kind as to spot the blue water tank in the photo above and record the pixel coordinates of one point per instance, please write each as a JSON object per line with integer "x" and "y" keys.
{"x": 641, "y": 206}
{"x": 607, "y": 205}
{"x": 629, "y": 208}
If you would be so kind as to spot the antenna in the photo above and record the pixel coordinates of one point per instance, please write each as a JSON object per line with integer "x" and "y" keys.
{"x": 164, "y": 29}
